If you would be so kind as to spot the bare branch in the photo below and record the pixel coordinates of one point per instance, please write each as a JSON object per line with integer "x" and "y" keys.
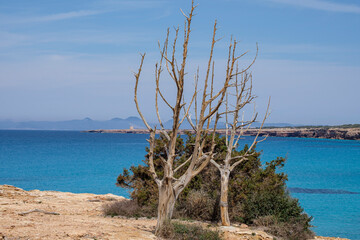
{"x": 186, "y": 112}
{"x": 211, "y": 92}
{"x": 215, "y": 164}
{"x": 262, "y": 124}
{"x": 205, "y": 159}
{"x": 184, "y": 14}
{"x": 137, "y": 76}
{"x": 237, "y": 163}
{"x": 151, "y": 157}
{"x": 163, "y": 160}
{"x": 252, "y": 63}
{"x": 183, "y": 164}
{"x": 226, "y": 119}
{"x": 196, "y": 86}
{"x": 38, "y": 210}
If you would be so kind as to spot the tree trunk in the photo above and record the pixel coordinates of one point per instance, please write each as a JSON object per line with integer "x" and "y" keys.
{"x": 166, "y": 205}
{"x": 224, "y": 208}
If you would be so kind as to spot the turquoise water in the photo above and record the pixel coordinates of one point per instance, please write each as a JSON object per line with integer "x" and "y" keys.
{"x": 85, "y": 162}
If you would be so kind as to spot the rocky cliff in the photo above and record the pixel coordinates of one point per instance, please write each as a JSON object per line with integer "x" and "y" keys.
{"x": 329, "y": 133}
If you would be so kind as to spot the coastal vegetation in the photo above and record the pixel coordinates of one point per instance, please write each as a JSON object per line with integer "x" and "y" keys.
{"x": 257, "y": 192}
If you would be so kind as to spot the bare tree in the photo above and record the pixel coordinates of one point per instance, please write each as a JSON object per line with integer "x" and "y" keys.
{"x": 243, "y": 96}
{"x": 209, "y": 104}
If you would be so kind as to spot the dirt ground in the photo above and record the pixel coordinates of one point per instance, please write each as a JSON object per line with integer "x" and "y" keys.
{"x": 64, "y": 215}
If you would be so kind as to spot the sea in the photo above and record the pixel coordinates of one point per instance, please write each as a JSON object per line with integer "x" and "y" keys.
{"x": 323, "y": 174}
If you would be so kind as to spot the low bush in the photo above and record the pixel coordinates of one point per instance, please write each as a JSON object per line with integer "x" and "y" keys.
{"x": 127, "y": 208}
{"x": 180, "y": 231}
{"x": 293, "y": 229}
{"x": 197, "y": 206}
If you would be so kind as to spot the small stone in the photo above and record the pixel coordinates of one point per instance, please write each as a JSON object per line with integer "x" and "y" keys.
{"x": 228, "y": 228}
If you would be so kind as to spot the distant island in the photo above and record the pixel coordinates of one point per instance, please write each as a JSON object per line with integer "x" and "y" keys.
{"x": 301, "y": 132}
{"x": 88, "y": 123}
{"x": 73, "y": 125}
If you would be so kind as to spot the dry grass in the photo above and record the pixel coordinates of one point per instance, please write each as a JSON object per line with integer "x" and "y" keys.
{"x": 180, "y": 231}
{"x": 127, "y": 208}
{"x": 290, "y": 230}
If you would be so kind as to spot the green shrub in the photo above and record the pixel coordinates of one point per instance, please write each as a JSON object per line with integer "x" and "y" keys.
{"x": 193, "y": 232}
{"x": 180, "y": 231}
{"x": 197, "y": 205}
{"x": 255, "y": 190}
{"x": 293, "y": 229}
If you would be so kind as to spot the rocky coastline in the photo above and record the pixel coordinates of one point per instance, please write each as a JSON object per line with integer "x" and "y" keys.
{"x": 49, "y": 215}
{"x": 328, "y": 133}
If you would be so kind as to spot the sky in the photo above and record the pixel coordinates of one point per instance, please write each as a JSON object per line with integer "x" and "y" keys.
{"x": 72, "y": 59}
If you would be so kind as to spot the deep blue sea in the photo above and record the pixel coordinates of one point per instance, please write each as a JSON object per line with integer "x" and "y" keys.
{"x": 89, "y": 162}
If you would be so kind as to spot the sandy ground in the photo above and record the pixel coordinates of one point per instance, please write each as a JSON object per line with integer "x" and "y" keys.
{"x": 79, "y": 216}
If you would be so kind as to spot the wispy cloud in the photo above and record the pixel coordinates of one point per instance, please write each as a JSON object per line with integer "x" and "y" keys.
{"x": 13, "y": 19}
{"x": 105, "y": 6}
{"x": 64, "y": 16}
{"x": 97, "y": 8}
{"x": 322, "y": 5}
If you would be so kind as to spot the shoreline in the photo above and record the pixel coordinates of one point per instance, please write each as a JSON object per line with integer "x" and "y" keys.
{"x": 49, "y": 215}
{"x": 325, "y": 133}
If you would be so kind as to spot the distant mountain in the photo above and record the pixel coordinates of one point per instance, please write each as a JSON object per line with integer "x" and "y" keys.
{"x": 115, "y": 123}
{"x": 84, "y": 124}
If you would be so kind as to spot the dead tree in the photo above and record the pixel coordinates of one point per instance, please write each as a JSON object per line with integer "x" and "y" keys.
{"x": 209, "y": 103}
{"x": 243, "y": 96}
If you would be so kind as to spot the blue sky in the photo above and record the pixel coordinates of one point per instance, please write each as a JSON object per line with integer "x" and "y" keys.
{"x": 74, "y": 59}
